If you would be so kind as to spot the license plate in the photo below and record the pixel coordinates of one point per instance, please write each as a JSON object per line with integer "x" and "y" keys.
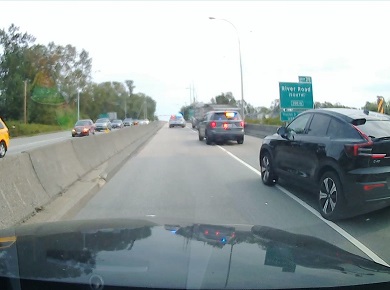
{"x": 227, "y": 126}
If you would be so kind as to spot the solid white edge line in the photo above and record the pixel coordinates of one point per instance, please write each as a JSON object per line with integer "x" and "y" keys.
{"x": 335, "y": 227}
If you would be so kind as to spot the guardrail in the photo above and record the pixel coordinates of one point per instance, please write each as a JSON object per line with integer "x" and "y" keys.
{"x": 260, "y": 130}
{"x": 32, "y": 179}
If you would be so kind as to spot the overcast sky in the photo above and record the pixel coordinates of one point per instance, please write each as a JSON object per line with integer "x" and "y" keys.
{"x": 167, "y": 46}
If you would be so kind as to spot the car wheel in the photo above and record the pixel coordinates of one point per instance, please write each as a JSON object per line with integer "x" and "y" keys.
{"x": 3, "y": 149}
{"x": 200, "y": 136}
{"x": 330, "y": 197}
{"x": 240, "y": 140}
{"x": 183, "y": 126}
{"x": 267, "y": 173}
{"x": 209, "y": 141}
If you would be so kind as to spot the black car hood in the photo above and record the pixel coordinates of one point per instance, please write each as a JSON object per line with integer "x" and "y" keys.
{"x": 139, "y": 253}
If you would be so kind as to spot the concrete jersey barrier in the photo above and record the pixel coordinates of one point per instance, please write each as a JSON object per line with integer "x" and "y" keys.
{"x": 31, "y": 179}
{"x": 21, "y": 191}
{"x": 260, "y": 130}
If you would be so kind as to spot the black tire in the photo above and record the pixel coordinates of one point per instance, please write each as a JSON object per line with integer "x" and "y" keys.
{"x": 183, "y": 126}
{"x": 3, "y": 149}
{"x": 330, "y": 196}
{"x": 200, "y": 137}
{"x": 240, "y": 140}
{"x": 209, "y": 141}
{"x": 170, "y": 126}
{"x": 268, "y": 175}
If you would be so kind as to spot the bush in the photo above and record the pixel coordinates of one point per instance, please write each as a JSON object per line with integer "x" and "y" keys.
{"x": 18, "y": 128}
{"x": 265, "y": 121}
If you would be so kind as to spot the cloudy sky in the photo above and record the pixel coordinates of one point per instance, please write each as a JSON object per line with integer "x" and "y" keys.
{"x": 166, "y": 47}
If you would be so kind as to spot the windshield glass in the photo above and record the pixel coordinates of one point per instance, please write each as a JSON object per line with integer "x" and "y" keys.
{"x": 82, "y": 123}
{"x": 218, "y": 150}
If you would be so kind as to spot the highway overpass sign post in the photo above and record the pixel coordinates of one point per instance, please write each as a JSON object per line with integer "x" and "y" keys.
{"x": 304, "y": 79}
{"x": 294, "y": 98}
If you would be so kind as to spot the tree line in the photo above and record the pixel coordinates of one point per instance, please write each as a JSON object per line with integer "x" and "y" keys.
{"x": 50, "y": 79}
{"x": 273, "y": 111}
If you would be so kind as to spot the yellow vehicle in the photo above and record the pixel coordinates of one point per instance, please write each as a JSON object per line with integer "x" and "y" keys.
{"x": 4, "y": 138}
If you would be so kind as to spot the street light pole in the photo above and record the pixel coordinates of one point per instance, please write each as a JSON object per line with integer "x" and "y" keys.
{"x": 239, "y": 52}
{"x": 78, "y": 104}
{"x": 25, "y": 103}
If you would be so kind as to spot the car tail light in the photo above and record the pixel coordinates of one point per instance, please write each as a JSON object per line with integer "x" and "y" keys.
{"x": 206, "y": 232}
{"x": 363, "y": 149}
{"x": 213, "y": 124}
{"x": 242, "y": 124}
{"x": 368, "y": 187}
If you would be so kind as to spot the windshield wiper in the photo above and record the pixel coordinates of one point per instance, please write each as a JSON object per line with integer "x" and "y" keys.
{"x": 380, "y": 138}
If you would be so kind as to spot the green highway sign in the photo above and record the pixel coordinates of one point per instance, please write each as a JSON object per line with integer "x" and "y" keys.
{"x": 287, "y": 116}
{"x": 304, "y": 79}
{"x": 296, "y": 95}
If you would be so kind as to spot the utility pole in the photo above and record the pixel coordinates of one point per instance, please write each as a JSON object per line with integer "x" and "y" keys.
{"x": 145, "y": 109}
{"x": 25, "y": 103}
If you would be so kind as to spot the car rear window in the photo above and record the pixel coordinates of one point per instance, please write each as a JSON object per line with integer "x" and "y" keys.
{"x": 376, "y": 128}
{"x": 224, "y": 116}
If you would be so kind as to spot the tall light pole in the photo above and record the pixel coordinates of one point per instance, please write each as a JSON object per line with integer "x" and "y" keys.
{"x": 239, "y": 52}
{"x": 78, "y": 104}
{"x": 25, "y": 103}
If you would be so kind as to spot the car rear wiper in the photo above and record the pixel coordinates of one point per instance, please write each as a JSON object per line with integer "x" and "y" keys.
{"x": 380, "y": 138}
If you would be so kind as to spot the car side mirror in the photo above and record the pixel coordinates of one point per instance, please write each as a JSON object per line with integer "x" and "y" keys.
{"x": 282, "y": 132}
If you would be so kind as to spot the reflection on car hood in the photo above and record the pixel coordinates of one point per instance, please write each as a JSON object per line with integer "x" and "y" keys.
{"x": 140, "y": 253}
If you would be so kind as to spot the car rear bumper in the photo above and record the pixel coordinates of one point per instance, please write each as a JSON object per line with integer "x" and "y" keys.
{"x": 177, "y": 124}
{"x": 227, "y": 134}
{"x": 367, "y": 192}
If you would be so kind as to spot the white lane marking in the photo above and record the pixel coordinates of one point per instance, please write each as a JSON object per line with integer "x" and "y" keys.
{"x": 37, "y": 142}
{"x": 338, "y": 229}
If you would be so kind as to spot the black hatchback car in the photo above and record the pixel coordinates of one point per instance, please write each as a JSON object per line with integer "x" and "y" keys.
{"x": 343, "y": 153}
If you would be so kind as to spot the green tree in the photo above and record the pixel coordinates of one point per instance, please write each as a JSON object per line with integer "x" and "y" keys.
{"x": 72, "y": 69}
{"x": 224, "y": 99}
{"x": 15, "y": 68}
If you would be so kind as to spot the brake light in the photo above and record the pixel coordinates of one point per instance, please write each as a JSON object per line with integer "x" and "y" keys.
{"x": 206, "y": 232}
{"x": 242, "y": 124}
{"x": 363, "y": 149}
{"x": 213, "y": 124}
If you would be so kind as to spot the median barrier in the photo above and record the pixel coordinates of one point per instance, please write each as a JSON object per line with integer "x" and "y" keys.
{"x": 21, "y": 193}
{"x": 30, "y": 180}
{"x": 85, "y": 153}
{"x": 56, "y": 166}
{"x": 260, "y": 130}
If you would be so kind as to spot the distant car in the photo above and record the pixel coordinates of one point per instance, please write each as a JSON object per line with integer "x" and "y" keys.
{"x": 83, "y": 128}
{"x": 220, "y": 126}
{"x": 135, "y": 122}
{"x": 4, "y": 138}
{"x": 102, "y": 124}
{"x": 341, "y": 155}
{"x": 117, "y": 124}
{"x": 177, "y": 120}
{"x": 128, "y": 122}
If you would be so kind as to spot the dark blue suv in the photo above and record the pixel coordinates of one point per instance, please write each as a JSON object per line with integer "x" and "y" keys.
{"x": 343, "y": 155}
